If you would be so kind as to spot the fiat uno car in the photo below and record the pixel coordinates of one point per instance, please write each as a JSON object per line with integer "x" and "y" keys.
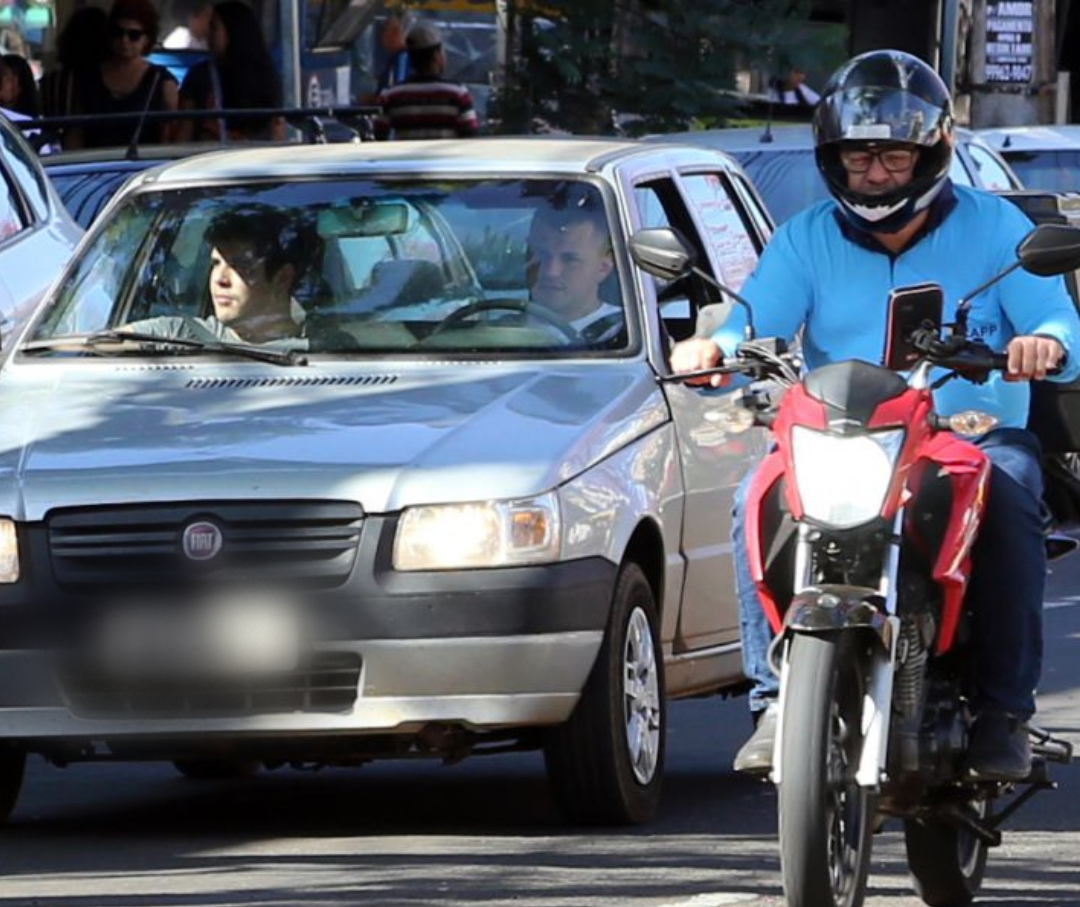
{"x": 424, "y": 495}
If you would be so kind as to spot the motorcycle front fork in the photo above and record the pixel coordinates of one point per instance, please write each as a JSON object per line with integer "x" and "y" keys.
{"x": 877, "y": 701}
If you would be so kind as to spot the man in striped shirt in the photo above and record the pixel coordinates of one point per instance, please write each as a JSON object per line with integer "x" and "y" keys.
{"x": 426, "y": 106}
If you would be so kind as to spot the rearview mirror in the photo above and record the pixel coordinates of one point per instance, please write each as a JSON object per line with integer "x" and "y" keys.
{"x": 661, "y": 252}
{"x": 1050, "y": 249}
{"x": 370, "y": 219}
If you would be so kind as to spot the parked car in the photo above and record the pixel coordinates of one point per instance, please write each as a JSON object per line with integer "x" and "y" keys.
{"x": 36, "y": 235}
{"x": 780, "y": 161}
{"x": 1044, "y": 157}
{"x": 436, "y": 518}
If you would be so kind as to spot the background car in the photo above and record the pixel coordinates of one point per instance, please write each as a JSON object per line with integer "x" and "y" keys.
{"x": 780, "y": 162}
{"x": 37, "y": 236}
{"x": 497, "y": 529}
{"x": 1044, "y": 157}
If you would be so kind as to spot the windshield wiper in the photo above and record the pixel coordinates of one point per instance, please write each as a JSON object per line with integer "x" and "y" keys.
{"x": 245, "y": 350}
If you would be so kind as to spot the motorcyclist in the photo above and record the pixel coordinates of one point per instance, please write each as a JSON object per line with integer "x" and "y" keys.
{"x": 883, "y": 134}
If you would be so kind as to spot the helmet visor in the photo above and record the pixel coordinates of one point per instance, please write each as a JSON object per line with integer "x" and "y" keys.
{"x": 872, "y": 114}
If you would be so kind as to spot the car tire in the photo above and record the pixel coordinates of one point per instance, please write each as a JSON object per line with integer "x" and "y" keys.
{"x": 606, "y": 764}
{"x": 12, "y": 769}
{"x": 217, "y": 769}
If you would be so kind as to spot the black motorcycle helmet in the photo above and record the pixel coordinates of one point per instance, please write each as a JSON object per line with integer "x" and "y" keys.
{"x": 885, "y": 96}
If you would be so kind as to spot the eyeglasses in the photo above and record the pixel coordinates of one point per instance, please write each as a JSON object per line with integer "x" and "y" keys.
{"x": 895, "y": 160}
{"x": 132, "y": 34}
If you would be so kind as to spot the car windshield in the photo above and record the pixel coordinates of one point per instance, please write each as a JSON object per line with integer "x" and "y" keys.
{"x": 1053, "y": 171}
{"x": 788, "y": 180}
{"x": 518, "y": 266}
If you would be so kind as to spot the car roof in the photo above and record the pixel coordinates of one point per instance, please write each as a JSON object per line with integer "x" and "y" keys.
{"x": 525, "y": 155}
{"x": 780, "y": 136}
{"x": 1032, "y": 138}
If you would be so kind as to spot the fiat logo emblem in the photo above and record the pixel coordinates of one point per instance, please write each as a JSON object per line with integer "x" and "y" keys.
{"x": 202, "y": 541}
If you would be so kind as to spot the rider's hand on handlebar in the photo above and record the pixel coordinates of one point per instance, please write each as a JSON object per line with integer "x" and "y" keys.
{"x": 1032, "y": 358}
{"x": 697, "y": 354}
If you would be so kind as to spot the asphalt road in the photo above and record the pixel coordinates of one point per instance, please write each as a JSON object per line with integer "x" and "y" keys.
{"x": 484, "y": 832}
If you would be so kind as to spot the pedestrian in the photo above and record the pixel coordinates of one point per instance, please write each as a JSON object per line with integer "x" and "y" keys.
{"x": 240, "y": 75}
{"x": 883, "y": 136}
{"x": 81, "y": 47}
{"x": 195, "y": 32}
{"x": 792, "y": 91}
{"x": 426, "y": 106}
{"x": 125, "y": 82}
{"x": 18, "y": 90}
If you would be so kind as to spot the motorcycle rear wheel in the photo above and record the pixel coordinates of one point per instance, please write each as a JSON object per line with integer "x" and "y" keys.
{"x": 825, "y": 818}
{"x": 947, "y": 862}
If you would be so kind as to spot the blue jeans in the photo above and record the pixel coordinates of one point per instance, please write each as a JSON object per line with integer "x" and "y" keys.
{"x": 1005, "y": 593}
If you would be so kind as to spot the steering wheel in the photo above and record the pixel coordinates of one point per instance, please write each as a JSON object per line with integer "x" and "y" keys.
{"x": 509, "y": 304}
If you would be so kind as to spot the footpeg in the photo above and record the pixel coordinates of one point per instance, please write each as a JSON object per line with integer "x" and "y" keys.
{"x": 1052, "y": 749}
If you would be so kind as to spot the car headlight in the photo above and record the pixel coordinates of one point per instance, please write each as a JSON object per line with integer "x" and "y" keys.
{"x": 9, "y": 552}
{"x": 483, "y": 534}
{"x": 843, "y": 479}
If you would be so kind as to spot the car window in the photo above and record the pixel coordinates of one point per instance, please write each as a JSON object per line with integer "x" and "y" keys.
{"x": 992, "y": 175}
{"x": 86, "y": 193}
{"x": 788, "y": 181}
{"x": 958, "y": 172}
{"x": 1053, "y": 171}
{"x": 658, "y": 203}
{"x": 516, "y": 266}
{"x": 22, "y": 162}
{"x": 724, "y": 227}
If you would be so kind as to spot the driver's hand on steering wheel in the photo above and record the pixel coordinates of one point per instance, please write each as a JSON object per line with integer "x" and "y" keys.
{"x": 1031, "y": 358}
{"x": 697, "y": 354}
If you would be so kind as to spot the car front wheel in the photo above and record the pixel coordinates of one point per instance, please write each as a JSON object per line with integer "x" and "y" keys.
{"x": 606, "y": 764}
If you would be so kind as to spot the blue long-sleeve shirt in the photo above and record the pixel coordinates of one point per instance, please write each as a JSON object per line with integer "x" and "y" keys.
{"x": 813, "y": 276}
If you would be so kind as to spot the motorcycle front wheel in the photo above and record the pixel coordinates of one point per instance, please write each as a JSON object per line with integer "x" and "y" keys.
{"x": 825, "y": 818}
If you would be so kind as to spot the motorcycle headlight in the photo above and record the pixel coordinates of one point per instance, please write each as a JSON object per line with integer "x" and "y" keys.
{"x": 843, "y": 479}
{"x": 485, "y": 534}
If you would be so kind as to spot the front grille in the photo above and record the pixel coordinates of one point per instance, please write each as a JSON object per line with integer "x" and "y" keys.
{"x": 301, "y": 544}
{"x": 326, "y": 682}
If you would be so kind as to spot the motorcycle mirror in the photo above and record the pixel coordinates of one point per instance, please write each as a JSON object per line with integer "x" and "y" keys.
{"x": 1050, "y": 249}
{"x": 1047, "y": 251}
{"x": 662, "y": 252}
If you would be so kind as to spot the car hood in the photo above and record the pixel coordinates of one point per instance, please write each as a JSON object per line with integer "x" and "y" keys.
{"x": 101, "y": 432}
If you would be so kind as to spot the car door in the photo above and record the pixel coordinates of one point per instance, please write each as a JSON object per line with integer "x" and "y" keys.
{"x": 713, "y": 462}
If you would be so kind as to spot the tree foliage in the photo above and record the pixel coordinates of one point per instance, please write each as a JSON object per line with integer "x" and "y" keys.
{"x": 601, "y": 66}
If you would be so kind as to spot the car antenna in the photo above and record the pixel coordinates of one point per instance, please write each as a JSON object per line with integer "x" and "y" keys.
{"x": 132, "y": 152}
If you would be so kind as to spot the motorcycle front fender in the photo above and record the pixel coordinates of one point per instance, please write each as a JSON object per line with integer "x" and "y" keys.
{"x": 835, "y": 608}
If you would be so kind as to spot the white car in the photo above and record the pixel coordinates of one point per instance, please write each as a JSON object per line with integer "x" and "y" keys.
{"x": 37, "y": 236}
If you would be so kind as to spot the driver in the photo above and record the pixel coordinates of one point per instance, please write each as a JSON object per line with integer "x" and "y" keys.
{"x": 256, "y": 258}
{"x": 883, "y": 132}
{"x": 569, "y": 257}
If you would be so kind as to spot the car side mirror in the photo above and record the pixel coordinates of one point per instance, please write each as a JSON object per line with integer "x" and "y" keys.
{"x": 662, "y": 252}
{"x": 1050, "y": 249}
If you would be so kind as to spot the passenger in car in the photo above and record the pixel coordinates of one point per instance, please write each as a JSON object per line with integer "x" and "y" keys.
{"x": 569, "y": 257}
{"x": 256, "y": 259}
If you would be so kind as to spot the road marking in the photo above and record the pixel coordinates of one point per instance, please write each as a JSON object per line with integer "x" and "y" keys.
{"x": 711, "y": 900}
{"x": 1061, "y": 603}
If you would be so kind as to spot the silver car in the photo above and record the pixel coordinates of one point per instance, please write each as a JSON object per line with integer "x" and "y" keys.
{"x": 434, "y": 517}
{"x": 37, "y": 237}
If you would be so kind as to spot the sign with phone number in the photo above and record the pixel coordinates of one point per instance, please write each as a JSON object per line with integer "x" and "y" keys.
{"x": 1010, "y": 27}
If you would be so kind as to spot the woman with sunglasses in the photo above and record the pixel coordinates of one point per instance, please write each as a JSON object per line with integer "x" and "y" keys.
{"x": 126, "y": 82}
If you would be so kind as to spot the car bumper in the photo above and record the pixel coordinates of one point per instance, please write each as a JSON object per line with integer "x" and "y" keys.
{"x": 385, "y": 653}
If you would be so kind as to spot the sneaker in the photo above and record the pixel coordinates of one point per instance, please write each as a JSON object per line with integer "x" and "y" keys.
{"x": 999, "y": 749}
{"x": 756, "y": 755}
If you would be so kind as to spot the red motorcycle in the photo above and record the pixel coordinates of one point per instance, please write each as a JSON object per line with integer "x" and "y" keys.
{"x": 860, "y": 524}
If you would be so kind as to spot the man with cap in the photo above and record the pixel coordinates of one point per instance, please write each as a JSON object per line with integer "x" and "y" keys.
{"x": 426, "y": 106}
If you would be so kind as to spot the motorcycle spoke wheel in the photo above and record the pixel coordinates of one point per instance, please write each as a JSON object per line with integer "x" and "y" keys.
{"x": 825, "y": 818}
